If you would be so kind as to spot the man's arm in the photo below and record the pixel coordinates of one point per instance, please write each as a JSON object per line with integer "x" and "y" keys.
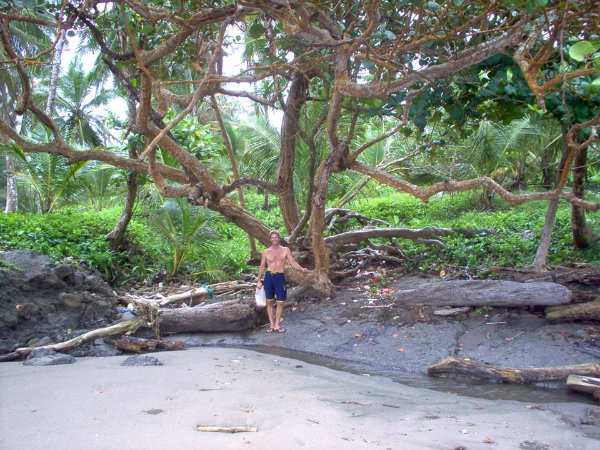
{"x": 293, "y": 262}
{"x": 263, "y": 263}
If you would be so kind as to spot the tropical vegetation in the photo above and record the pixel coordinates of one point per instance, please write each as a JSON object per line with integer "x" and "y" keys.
{"x": 181, "y": 134}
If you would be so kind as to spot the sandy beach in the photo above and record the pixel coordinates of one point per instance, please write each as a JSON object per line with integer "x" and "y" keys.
{"x": 98, "y": 404}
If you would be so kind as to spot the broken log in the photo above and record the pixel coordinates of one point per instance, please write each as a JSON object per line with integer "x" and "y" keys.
{"x": 112, "y": 330}
{"x": 578, "y": 311}
{"x": 229, "y": 315}
{"x": 589, "y": 385}
{"x": 192, "y": 298}
{"x": 490, "y": 372}
{"x": 138, "y": 345}
{"x": 485, "y": 292}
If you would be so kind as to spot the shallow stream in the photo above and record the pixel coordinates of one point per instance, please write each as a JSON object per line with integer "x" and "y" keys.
{"x": 538, "y": 393}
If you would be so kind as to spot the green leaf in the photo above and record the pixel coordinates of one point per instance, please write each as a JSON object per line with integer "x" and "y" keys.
{"x": 256, "y": 31}
{"x": 581, "y": 50}
{"x": 434, "y": 6}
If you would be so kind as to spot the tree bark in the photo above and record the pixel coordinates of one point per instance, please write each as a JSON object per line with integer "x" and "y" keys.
{"x": 193, "y": 297}
{"x": 285, "y": 168}
{"x": 133, "y": 344}
{"x": 230, "y": 315}
{"x": 588, "y": 385}
{"x": 486, "y": 292}
{"x": 541, "y": 254}
{"x": 579, "y": 311}
{"x": 485, "y": 371}
{"x": 582, "y": 235}
{"x": 12, "y": 197}
{"x": 55, "y": 73}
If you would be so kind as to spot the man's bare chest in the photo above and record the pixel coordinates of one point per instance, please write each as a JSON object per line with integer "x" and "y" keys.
{"x": 275, "y": 256}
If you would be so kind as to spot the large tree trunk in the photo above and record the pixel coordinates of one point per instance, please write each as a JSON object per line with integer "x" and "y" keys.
{"x": 582, "y": 235}
{"x": 510, "y": 375}
{"x": 285, "y": 169}
{"x": 541, "y": 255}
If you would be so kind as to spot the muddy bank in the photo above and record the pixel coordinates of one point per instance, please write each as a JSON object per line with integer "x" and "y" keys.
{"x": 43, "y": 302}
{"x": 356, "y": 330}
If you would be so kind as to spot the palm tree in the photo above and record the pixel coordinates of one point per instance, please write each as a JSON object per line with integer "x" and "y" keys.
{"x": 185, "y": 228}
{"x": 26, "y": 39}
{"x": 78, "y": 100}
{"x": 45, "y": 177}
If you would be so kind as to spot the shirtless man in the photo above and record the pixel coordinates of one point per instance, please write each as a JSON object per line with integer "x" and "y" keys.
{"x": 274, "y": 259}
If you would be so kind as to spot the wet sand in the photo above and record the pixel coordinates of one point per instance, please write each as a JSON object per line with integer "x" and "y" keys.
{"x": 98, "y": 404}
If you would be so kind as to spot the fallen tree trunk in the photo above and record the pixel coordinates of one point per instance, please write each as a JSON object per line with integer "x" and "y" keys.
{"x": 230, "y": 315}
{"x": 116, "y": 329}
{"x": 138, "y": 345}
{"x": 579, "y": 311}
{"x": 486, "y": 292}
{"x": 490, "y": 372}
{"x": 588, "y": 385}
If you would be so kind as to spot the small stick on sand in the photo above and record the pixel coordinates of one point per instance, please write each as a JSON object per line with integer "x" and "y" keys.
{"x": 227, "y": 429}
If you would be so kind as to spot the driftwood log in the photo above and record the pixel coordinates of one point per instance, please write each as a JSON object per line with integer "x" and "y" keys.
{"x": 226, "y": 429}
{"x": 192, "y": 298}
{"x": 486, "y": 292}
{"x": 588, "y": 385}
{"x": 138, "y": 345}
{"x": 579, "y": 311}
{"x": 229, "y": 315}
{"x": 490, "y": 372}
{"x": 113, "y": 330}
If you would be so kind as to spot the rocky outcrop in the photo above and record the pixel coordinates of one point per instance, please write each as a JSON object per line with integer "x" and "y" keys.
{"x": 43, "y": 302}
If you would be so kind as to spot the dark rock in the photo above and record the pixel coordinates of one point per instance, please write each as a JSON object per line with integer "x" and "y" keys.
{"x": 30, "y": 262}
{"x": 25, "y": 310}
{"x": 141, "y": 360}
{"x": 50, "y": 360}
{"x": 39, "y": 342}
{"x": 64, "y": 271}
{"x": 72, "y": 301}
{"x": 41, "y": 352}
{"x": 37, "y": 299}
{"x": 591, "y": 417}
{"x": 47, "y": 281}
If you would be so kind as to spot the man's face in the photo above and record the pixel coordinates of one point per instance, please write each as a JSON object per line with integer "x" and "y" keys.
{"x": 274, "y": 239}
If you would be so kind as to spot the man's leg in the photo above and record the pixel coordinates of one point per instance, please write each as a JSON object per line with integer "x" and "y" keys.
{"x": 270, "y": 315}
{"x": 278, "y": 314}
{"x": 281, "y": 294}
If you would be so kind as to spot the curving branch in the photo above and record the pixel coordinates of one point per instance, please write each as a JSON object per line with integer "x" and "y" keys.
{"x": 425, "y": 194}
{"x": 335, "y": 243}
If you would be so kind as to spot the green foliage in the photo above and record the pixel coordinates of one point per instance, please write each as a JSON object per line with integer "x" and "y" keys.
{"x": 185, "y": 229}
{"x": 73, "y": 236}
{"x": 509, "y": 236}
{"x": 46, "y": 178}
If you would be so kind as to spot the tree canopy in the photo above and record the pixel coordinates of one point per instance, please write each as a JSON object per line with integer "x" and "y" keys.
{"x": 330, "y": 68}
